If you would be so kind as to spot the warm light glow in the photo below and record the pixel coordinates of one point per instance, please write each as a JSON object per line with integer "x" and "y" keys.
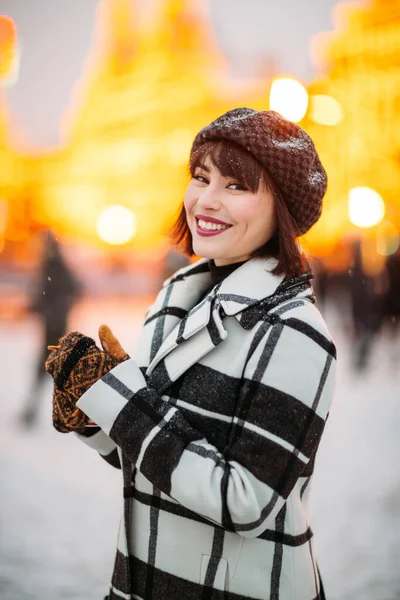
{"x": 366, "y": 207}
{"x": 387, "y": 238}
{"x": 116, "y": 225}
{"x": 289, "y": 98}
{"x": 178, "y": 145}
{"x": 325, "y": 110}
{"x": 128, "y": 144}
{"x": 3, "y": 220}
{"x": 8, "y": 50}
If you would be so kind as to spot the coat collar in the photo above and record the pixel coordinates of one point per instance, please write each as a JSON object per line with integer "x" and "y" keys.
{"x": 247, "y": 285}
{"x": 202, "y": 328}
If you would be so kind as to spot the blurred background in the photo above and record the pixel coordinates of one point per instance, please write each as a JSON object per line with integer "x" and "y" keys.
{"x": 99, "y": 103}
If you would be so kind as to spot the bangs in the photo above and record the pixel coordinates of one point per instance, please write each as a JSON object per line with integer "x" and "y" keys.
{"x": 231, "y": 160}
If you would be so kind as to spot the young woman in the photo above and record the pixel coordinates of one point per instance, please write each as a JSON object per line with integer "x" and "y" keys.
{"x": 217, "y": 421}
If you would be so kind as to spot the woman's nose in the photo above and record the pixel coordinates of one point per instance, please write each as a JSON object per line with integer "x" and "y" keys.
{"x": 209, "y": 198}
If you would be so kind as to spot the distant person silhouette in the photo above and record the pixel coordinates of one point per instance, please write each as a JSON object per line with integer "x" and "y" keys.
{"x": 366, "y": 310}
{"x": 391, "y": 300}
{"x": 55, "y": 292}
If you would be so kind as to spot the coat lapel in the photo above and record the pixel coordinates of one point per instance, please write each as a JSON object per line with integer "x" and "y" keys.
{"x": 202, "y": 328}
{"x": 198, "y": 332}
{"x": 249, "y": 284}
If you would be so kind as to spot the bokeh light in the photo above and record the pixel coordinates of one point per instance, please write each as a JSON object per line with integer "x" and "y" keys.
{"x": 366, "y": 207}
{"x": 8, "y": 50}
{"x": 289, "y": 98}
{"x": 116, "y": 225}
{"x": 325, "y": 110}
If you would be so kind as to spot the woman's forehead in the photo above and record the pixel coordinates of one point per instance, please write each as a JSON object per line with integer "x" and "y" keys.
{"x": 231, "y": 160}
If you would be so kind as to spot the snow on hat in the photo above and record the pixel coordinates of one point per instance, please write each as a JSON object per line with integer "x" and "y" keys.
{"x": 286, "y": 152}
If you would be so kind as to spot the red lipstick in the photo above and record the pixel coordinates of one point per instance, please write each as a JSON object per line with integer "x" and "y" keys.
{"x": 210, "y": 232}
{"x": 211, "y": 220}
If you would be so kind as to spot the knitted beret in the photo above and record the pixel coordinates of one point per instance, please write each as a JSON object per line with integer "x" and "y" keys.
{"x": 286, "y": 152}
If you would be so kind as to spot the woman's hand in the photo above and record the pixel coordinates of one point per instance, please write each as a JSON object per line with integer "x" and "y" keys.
{"x": 75, "y": 365}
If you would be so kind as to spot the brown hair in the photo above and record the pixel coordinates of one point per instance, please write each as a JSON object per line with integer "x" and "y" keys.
{"x": 234, "y": 161}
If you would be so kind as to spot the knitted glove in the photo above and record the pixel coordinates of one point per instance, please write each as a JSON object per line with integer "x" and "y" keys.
{"x": 75, "y": 365}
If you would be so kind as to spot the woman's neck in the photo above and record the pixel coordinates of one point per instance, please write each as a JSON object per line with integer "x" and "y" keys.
{"x": 220, "y": 272}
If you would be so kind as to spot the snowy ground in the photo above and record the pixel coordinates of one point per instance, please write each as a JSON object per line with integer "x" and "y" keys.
{"x": 60, "y": 504}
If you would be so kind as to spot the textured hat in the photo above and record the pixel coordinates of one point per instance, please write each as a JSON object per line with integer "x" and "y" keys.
{"x": 286, "y": 152}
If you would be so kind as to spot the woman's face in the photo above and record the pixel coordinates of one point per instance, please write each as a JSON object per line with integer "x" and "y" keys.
{"x": 227, "y": 222}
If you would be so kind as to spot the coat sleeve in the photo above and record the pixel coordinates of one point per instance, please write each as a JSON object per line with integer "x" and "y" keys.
{"x": 98, "y": 440}
{"x": 280, "y": 416}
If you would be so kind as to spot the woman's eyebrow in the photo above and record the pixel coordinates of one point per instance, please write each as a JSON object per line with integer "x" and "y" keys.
{"x": 203, "y": 167}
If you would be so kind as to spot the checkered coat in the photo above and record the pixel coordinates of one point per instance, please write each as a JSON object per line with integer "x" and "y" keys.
{"x": 215, "y": 425}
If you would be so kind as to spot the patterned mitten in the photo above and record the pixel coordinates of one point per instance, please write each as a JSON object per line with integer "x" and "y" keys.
{"x": 75, "y": 365}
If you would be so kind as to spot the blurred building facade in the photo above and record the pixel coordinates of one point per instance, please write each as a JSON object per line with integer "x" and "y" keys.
{"x": 149, "y": 85}
{"x": 154, "y": 77}
{"x": 16, "y": 200}
{"x": 360, "y": 60}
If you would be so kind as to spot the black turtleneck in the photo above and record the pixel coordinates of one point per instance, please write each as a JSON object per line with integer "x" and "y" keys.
{"x": 220, "y": 273}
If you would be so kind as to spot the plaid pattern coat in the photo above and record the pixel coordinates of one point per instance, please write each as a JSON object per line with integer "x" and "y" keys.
{"x": 216, "y": 426}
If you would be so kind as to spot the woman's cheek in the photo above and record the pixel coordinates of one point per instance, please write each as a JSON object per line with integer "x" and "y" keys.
{"x": 189, "y": 200}
{"x": 186, "y": 206}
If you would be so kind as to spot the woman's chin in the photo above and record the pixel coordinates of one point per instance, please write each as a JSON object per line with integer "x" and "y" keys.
{"x": 204, "y": 250}
{"x": 203, "y": 254}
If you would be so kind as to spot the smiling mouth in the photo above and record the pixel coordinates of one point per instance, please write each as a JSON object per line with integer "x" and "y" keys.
{"x": 210, "y": 226}
{"x": 207, "y": 228}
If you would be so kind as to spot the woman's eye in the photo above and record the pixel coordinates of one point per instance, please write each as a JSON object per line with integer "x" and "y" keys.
{"x": 237, "y": 186}
{"x": 200, "y": 178}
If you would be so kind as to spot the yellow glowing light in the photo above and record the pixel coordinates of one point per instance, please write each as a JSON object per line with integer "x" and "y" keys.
{"x": 3, "y": 221}
{"x": 366, "y": 207}
{"x": 387, "y": 238}
{"x": 325, "y": 110}
{"x": 289, "y": 98}
{"x": 116, "y": 225}
{"x": 9, "y": 53}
